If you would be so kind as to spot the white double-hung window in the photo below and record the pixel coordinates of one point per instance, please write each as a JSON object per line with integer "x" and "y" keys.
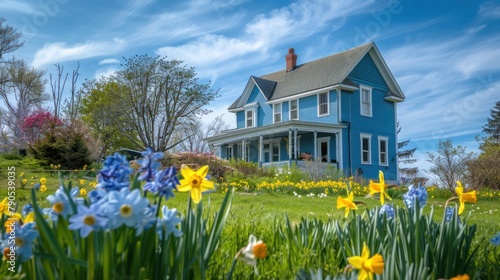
{"x": 294, "y": 109}
{"x": 277, "y": 112}
{"x": 366, "y": 149}
{"x": 323, "y": 107}
{"x": 366, "y": 101}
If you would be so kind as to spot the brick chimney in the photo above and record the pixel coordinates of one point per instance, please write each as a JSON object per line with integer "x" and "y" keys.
{"x": 291, "y": 60}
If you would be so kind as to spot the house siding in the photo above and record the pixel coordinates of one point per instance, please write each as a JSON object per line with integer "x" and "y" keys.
{"x": 240, "y": 119}
{"x": 381, "y": 123}
{"x": 308, "y": 109}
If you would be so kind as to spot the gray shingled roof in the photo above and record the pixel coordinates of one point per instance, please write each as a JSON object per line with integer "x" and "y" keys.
{"x": 265, "y": 86}
{"x": 317, "y": 74}
{"x": 327, "y": 71}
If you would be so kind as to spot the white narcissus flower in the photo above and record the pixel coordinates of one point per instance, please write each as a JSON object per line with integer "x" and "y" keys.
{"x": 253, "y": 251}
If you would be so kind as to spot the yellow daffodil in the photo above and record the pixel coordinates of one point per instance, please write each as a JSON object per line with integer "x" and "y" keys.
{"x": 83, "y": 191}
{"x": 24, "y": 181}
{"x": 367, "y": 266}
{"x": 379, "y": 188}
{"x": 461, "y": 277}
{"x": 43, "y": 188}
{"x": 82, "y": 182}
{"x": 4, "y": 207}
{"x": 195, "y": 182}
{"x": 464, "y": 197}
{"x": 347, "y": 203}
{"x": 30, "y": 218}
{"x": 43, "y": 181}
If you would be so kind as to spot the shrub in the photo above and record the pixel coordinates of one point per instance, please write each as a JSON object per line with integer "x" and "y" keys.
{"x": 62, "y": 147}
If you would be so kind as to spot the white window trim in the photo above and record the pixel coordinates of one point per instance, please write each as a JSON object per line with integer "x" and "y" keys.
{"x": 361, "y": 137}
{"x": 290, "y": 110}
{"x": 327, "y": 104}
{"x": 253, "y": 117}
{"x": 361, "y": 88}
{"x": 386, "y": 139}
{"x": 280, "y": 112}
{"x": 251, "y": 107}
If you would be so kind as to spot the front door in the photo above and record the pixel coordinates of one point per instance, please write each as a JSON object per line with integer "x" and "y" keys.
{"x": 324, "y": 149}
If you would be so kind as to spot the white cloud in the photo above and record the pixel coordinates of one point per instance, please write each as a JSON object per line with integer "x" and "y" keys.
{"x": 60, "y": 52}
{"x": 109, "y": 61}
{"x": 16, "y": 6}
{"x": 105, "y": 72}
{"x": 214, "y": 55}
{"x": 489, "y": 10}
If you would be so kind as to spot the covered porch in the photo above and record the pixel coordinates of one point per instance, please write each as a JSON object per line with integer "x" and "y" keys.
{"x": 282, "y": 144}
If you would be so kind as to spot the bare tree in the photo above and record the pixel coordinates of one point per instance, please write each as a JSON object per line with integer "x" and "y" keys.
{"x": 9, "y": 39}
{"x": 21, "y": 94}
{"x": 57, "y": 84}
{"x": 449, "y": 164}
{"x": 191, "y": 135}
{"x": 160, "y": 95}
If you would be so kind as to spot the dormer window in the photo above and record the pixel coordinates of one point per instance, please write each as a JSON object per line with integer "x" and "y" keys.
{"x": 249, "y": 118}
{"x": 251, "y": 114}
{"x": 277, "y": 112}
{"x": 366, "y": 101}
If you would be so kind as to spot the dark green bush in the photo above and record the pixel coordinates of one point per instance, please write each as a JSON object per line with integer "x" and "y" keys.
{"x": 62, "y": 147}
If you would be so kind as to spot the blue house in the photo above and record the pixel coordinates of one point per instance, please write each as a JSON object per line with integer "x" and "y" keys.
{"x": 340, "y": 109}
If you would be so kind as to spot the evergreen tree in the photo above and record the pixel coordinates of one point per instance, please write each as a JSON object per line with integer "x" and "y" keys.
{"x": 492, "y": 128}
{"x": 407, "y": 173}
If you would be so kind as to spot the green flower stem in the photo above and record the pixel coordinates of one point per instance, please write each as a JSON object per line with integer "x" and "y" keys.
{"x": 90, "y": 256}
{"x": 233, "y": 264}
{"x": 450, "y": 199}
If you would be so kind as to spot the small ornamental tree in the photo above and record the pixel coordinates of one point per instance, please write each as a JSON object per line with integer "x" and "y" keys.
{"x": 37, "y": 124}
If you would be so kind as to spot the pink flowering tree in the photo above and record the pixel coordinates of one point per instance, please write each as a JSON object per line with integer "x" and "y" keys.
{"x": 37, "y": 124}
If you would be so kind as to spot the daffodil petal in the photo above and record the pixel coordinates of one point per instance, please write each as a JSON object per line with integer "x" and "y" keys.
{"x": 366, "y": 252}
{"x": 356, "y": 262}
{"x": 186, "y": 172}
{"x": 196, "y": 195}
{"x": 184, "y": 186}
{"x": 203, "y": 171}
{"x": 207, "y": 185}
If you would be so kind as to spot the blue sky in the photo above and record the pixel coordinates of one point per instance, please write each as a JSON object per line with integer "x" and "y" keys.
{"x": 445, "y": 55}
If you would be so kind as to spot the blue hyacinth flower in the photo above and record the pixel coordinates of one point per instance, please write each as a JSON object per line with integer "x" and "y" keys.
{"x": 149, "y": 164}
{"x": 419, "y": 193}
{"x": 496, "y": 240}
{"x": 115, "y": 173}
{"x": 164, "y": 183}
{"x": 387, "y": 209}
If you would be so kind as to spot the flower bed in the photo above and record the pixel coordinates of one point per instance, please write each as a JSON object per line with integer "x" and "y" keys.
{"x": 124, "y": 228}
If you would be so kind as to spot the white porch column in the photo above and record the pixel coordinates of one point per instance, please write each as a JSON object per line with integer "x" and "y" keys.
{"x": 295, "y": 143}
{"x": 316, "y": 145}
{"x": 338, "y": 153}
{"x": 243, "y": 150}
{"x": 290, "y": 151}
{"x": 261, "y": 149}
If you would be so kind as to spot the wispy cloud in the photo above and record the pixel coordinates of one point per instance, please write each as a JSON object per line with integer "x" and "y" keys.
{"x": 109, "y": 61}
{"x": 17, "y": 7}
{"x": 105, "y": 72}
{"x": 292, "y": 23}
{"x": 60, "y": 52}
{"x": 489, "y": 10}
{"x": 447, "y": 86}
